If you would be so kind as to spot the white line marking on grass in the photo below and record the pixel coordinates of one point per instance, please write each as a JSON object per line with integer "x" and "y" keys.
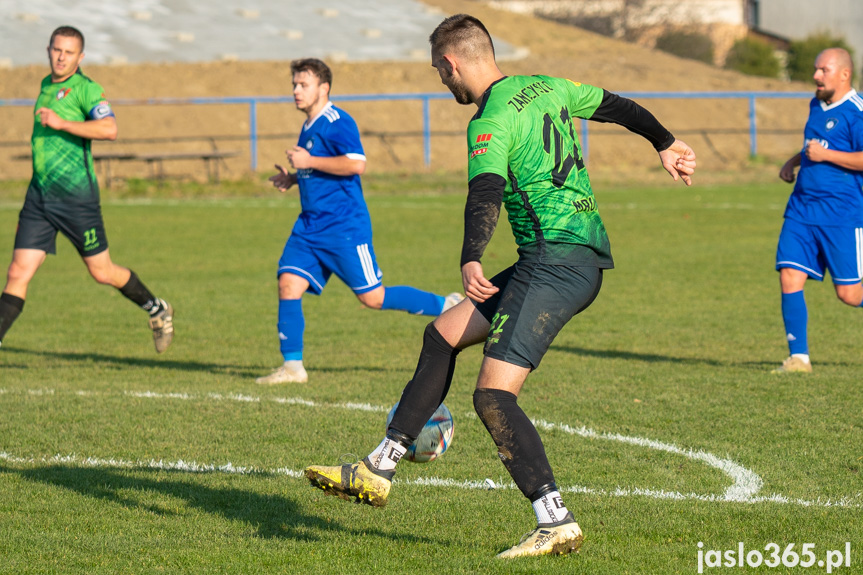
{"x": 153, "y": 464}
{"x": 231, "y": 469}
{"x": 745, "y": 487}
{"x": 153, "y": 395}
{"x": 746, "y": 482}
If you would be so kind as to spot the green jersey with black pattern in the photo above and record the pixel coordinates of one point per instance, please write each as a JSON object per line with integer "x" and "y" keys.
{"x": 63, "y": 163}
{"x": 524, "y": 131}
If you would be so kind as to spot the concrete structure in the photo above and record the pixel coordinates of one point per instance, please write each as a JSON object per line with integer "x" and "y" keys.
{"x": 132, "y": 31}
{"x": 642, "y": 21}
{"x": 797, "y": 19}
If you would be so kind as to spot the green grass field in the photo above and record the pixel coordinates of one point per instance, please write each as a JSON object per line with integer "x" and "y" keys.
{"x": 657, "y": 407}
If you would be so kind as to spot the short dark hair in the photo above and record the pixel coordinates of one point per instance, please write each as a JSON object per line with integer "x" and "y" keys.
{"x": 69, "y": 32}
{"x": 462, "y": 32}
{"x": 315, "y": 67}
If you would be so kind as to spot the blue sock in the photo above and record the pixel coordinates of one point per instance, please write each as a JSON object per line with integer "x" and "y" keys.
{"x": 412, "y": 300}
{"x": 291, "y": 327}
{"x": 795, "y": 316}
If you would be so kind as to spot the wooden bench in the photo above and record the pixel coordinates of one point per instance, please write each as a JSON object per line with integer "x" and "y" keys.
{"x": 211, "y": 159}
{"x": 155, "y": 162}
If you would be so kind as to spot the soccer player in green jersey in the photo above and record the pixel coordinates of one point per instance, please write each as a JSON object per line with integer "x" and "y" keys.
{"x": 523, "y": 153}
{"x": 63, "y": 195}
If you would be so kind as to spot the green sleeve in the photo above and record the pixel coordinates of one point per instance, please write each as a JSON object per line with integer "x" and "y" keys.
{"x": 584, "y": 99}
{"x": 94, "y": 104}
{"x": 488, "y": 148}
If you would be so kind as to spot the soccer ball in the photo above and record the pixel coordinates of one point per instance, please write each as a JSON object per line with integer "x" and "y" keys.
{"x": 434, "y": 438}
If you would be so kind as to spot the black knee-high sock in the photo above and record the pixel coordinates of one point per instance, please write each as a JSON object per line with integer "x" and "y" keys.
{"x": 428, "y": 388}
{"x": 518, "y": 444}
{"x": 138, "y": 293}
{"x": 10, "y": 308}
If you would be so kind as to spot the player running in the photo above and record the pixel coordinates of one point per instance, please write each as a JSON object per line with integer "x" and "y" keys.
{"x": 333, "y": 233}
{"x": 523, "y": 152}
{"x": 63, "y": 195}
{"x": 823, "y": 226}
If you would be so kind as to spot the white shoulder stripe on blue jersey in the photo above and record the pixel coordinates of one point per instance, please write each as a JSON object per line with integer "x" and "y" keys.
{"x": 857, "y": 101}
{"x": 331, "y": 114}
{"x": 328, "y": 107}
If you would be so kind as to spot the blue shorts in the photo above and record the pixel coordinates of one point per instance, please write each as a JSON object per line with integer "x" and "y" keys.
{"x": 353, "y": 264}
{"x": 812, "y": 249}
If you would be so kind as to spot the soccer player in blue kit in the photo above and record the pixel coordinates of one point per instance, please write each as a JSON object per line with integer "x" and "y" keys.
{"x": 823, "y": 226}
{"x": 333, "y": 233}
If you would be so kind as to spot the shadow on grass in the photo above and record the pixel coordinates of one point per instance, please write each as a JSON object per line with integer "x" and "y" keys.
{"x": 271, "y": 516}
{"x": 632, "y": 356}
{"x": 162, "y": 363}
{"x": 122, "y": 361}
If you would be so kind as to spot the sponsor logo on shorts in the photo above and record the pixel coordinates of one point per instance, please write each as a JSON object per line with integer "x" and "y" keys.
{"x": 91, "y": 242}
{"x": 496, "y": 327}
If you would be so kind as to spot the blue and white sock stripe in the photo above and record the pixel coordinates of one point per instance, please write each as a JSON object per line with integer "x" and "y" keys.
{"x": 368, "y": 264}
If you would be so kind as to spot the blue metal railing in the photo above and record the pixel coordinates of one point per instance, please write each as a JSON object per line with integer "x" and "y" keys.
{"x": 425, "y": 98}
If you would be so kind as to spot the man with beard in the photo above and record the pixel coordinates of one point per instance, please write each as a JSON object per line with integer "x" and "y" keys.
{"x": 523, "y": 152}
{"x": 823, "y": 226}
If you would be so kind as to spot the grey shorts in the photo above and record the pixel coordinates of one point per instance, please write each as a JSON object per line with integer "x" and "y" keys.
{"x": 535, "y": 301}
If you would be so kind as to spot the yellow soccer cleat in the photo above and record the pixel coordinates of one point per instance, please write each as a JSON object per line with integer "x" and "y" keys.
{"x": 559, "y": 538}
{"x": 356, "y": 480}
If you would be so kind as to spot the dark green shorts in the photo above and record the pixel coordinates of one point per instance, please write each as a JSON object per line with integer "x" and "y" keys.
{"x": 535, "y": 301}
{"x": 39, "y": 222}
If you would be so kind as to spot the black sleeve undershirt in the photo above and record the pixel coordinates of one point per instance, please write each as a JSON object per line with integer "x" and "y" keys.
{"x": 481, "y": 212}
{"x": 635, "y": 118}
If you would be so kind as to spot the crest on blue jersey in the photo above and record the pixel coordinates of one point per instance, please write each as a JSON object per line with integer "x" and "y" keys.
{"x": 831, "y": 123}
{"x": 311, "y": 143}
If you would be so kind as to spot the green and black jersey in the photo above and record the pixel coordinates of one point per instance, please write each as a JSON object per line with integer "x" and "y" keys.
{"x": 63, "y": 163}
{"x": 524, "y": 132}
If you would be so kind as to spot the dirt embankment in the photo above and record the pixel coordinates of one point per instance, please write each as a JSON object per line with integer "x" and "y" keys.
{"x": 718, "y": 129}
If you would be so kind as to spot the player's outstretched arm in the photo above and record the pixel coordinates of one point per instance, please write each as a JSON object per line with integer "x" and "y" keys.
{"x": 679, "y": 160}
{"x": 283, "y": 180}
{"x": 787, "y": 171}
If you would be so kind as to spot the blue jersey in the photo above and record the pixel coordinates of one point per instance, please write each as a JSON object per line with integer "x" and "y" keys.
{"x": 826, "y": 194}
{"x": 333, "y": 208}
